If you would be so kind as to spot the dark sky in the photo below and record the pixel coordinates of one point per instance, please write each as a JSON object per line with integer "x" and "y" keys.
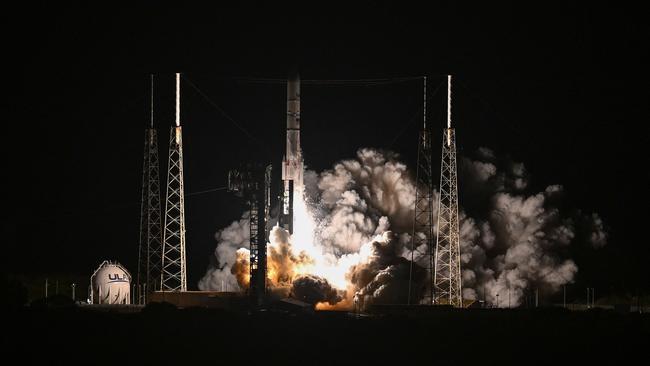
{"x": 562, "y": 89}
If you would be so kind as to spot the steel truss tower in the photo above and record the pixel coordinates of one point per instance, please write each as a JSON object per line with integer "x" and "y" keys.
{"x": 447, "y": 279}
{"x": 423, "y": 219}
{"x": 174, "y": 276}
{"x": 149, "y": 253}
{"x": 253, "y": 183}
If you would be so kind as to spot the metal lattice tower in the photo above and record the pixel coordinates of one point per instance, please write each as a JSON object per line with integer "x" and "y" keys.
{"x": 174, "y": 276}
{"x": 149, "y": 253}
{"x": 259, "y": 196}
{"x": 447, "y": 278}
{"x": 253, "y": 183}
{"x": 254, "y": 231}
{"x": 423, "y": 219}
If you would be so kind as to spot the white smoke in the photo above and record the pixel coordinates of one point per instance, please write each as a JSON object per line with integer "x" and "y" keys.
{"x": 219, "y": 276}
{"x": 314, "y": 289}
{"x": 597, "y": 235}
{"x": 511, "y": 240}
{"x": 357, "y": 197}
{"x": 382, "y": 276}
{"x": 515, "y": 241}
{"x": 519, "y": 244}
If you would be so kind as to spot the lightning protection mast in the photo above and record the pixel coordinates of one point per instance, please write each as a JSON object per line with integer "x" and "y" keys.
{"x": 422, "y": 235}
{"x": 150, "y": 249}
{"x": 173, "y": 259}
{"x": 447, "y": 279}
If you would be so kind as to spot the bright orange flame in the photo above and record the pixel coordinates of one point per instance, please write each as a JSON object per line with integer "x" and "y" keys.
{"x": 324, "y": 265}
{"x": 289, "y": 257}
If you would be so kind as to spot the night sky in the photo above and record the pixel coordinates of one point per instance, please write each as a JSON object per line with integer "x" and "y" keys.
{"x": 563, "y": 90}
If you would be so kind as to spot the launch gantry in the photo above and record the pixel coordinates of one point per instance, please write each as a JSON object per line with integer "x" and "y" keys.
{"x": 253, "y": 183}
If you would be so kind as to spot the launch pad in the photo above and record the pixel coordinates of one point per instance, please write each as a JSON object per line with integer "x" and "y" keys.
{"x": 205, "y": 299}
{"x": 253, "y": 181}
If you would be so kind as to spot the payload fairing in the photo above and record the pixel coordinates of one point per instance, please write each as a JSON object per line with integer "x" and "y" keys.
{"x": 292, "y": 164}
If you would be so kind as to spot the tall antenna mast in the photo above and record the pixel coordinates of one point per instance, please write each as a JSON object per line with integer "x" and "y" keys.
{"x": 178, "y": 99}
{"x": 448, "y": 101}
{"x": 447, "y": 280}
{"x": 424, "y": 104}
{"x": 422, "y": 234}
{"x": 151, "y": 235}
{"x": 174, "y": 277}
{"x": 151, "y": 113}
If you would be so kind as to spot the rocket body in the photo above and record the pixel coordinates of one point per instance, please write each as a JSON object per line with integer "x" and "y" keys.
{"x": 292, "y": 164}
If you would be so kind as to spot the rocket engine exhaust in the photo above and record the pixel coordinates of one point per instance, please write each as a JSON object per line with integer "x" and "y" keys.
{"x": 344, "y": 240}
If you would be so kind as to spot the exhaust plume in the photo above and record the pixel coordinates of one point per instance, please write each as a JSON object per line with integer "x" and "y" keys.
{"x": 313, "y": 289}
{"x": 219, "y": 276}
{"x": 351, "y": 244}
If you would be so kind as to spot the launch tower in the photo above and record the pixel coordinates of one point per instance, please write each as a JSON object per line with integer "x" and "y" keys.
{"x": 253, "y": 182}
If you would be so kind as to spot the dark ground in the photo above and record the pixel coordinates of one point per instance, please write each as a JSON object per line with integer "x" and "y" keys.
{"x": 163, "y": 336}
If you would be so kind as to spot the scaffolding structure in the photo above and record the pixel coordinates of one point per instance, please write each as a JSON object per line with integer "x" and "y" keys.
{"x": 150, "y": 247}
{"x": 174, "y": 276}
{"x": 422, "y": 234}
{"x": 253, "y": 183}
{"x": 447, "y": 277}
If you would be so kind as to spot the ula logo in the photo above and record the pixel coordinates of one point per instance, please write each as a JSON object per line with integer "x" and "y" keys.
{"x": 116, "y": 277}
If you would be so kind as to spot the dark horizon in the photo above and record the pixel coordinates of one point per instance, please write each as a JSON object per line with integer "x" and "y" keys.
{"x": 560, "y": 89}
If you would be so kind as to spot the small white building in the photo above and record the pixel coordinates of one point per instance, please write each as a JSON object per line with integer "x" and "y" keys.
{"x": 110, "y": 284}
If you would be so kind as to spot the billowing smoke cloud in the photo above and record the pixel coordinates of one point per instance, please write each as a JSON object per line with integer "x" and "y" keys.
{"x": 382, "y": 276}
{"x": 284, "y": 265}
{"x": 241, "y": 269}
{"x": 512, "y": 240}
{"x": 357, "y": 198}
{"x": 515, "y": 241}
{"x": 519, "y": 244}
{"x": 597, "y": 233}
{"x": 220, "y": 275}
{"x": 314, "y": 289}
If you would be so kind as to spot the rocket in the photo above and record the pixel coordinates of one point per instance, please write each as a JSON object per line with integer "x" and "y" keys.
{"x": 292, "y": 163}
